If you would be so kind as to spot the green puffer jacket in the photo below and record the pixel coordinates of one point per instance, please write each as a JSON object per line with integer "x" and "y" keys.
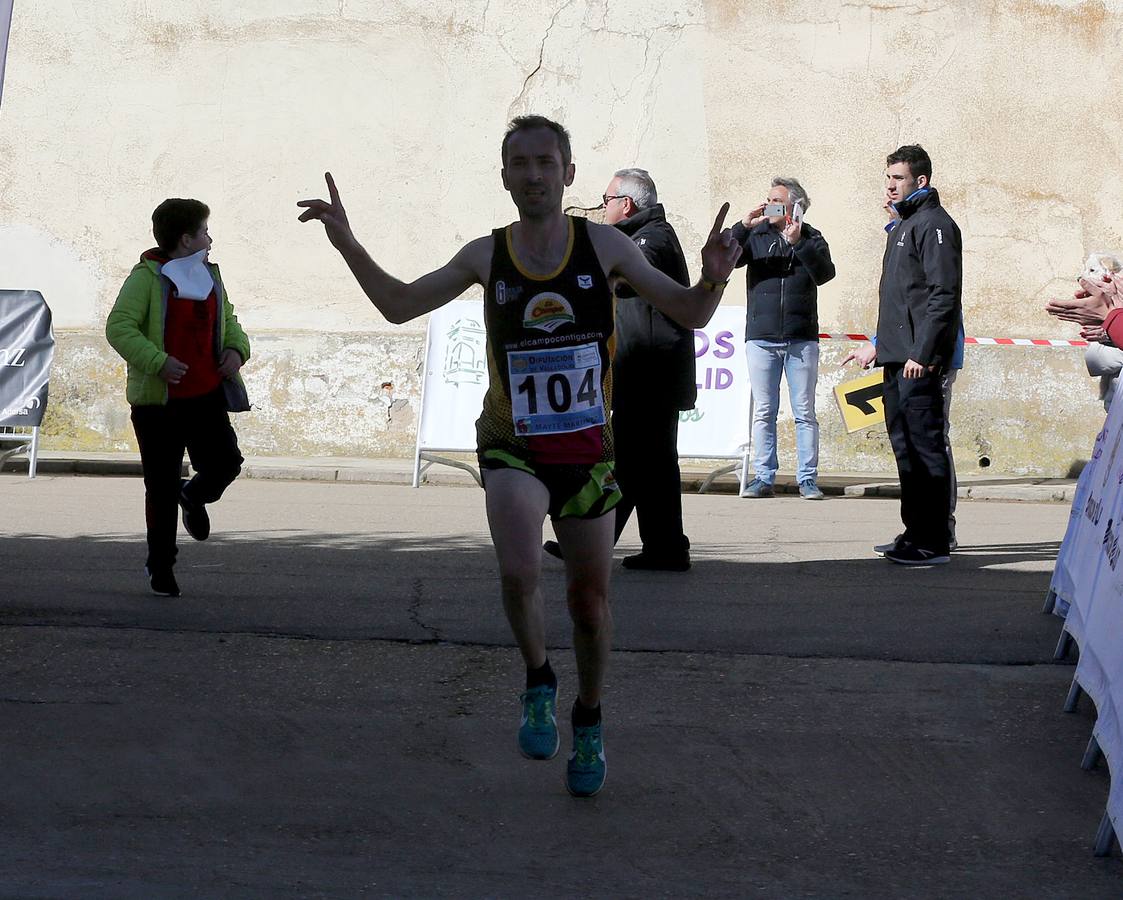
{"x": 135, "y": 329}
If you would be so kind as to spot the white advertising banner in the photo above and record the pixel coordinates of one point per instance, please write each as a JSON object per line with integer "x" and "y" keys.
{"x": 1078, "y": 560}
{"x": 5, "y": 28}
{"x": 456, "y": 378}
{"x": 1088, "y": 582}
{"x": 1063, "y": 584}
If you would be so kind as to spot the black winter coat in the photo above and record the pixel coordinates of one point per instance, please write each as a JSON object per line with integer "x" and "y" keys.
{"x": 783, "y": 282}
{"x": 921, "y": 290}
{"x": 654, "y": 359}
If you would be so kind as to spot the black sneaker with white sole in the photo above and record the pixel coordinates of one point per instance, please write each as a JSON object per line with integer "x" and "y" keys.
{"x": 195, "y": 518}
{"x": 911, "y": 555}
{"x": 892, "y": 545}
{"x": 162, "y": 582}
{"x": 953, "y": 544}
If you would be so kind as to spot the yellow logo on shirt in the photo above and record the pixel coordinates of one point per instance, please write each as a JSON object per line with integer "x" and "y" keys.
{"x": 547, "y": 311}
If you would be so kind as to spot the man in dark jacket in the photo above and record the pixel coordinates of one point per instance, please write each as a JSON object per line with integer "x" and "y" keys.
{"x": 652, "y": 380}
{"x": 787, "y": 260}
{"x": 917, "y": 326}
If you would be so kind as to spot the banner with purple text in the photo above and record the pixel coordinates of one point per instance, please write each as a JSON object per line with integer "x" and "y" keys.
{"x": 718, "y": 426}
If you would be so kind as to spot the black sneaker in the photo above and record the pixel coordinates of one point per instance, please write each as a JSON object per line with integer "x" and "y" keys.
{"x": 892, "y": 545}
{"x": 162, "y": 582}
{"x": 553, "y": 548}
{"x": 911, "y": 555}
{"x": 669, "y": 562}
{"x": 195, "y": 518}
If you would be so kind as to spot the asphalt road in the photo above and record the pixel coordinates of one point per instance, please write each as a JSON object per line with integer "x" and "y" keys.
{"x": 330, "y": 709}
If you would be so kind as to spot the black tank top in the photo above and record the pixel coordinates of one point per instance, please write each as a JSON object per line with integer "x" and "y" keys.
{"x": 549, "y": 352}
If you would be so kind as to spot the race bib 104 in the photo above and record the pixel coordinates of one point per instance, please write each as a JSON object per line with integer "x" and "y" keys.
{"x": 556, "y": 391}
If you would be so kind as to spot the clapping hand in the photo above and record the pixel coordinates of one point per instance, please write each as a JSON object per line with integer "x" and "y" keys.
{"x": 1089, "y": 305}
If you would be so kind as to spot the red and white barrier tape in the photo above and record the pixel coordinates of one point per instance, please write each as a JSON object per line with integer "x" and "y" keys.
{"x": 1000, "y": 342}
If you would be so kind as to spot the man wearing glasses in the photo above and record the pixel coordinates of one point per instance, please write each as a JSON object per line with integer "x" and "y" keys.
{"x": 652, "y": 380}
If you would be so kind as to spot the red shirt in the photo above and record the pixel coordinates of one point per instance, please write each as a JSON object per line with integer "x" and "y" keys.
{"x": 191, "y": 336}
{"x": 1113, "y": 325}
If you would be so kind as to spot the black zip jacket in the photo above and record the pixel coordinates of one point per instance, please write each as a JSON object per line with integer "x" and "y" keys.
{"x": 921, "y": 293}
{"x": 783, "y": 282}
{"x": 654, "y": 357}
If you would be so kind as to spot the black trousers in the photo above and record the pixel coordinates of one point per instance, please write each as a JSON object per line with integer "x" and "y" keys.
{"x": 201, "y": 426}
{"x": 914, "y": 417}
{"x": 646, "y": 440}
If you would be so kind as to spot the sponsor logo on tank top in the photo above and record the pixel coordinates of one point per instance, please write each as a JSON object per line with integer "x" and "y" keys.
{"x": 585, "y": 281}
{"x": 505, "y": 294}
{"x": 548, "y": 311}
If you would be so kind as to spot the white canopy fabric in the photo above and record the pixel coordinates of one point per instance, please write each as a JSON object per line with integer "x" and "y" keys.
{"x": 5, "y": 27}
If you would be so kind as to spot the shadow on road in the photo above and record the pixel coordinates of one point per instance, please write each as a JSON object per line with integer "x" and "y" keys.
{"x": 744, "y": 598}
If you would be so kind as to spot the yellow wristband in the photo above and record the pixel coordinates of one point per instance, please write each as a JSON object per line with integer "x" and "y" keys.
{"x": 713, "y": 286}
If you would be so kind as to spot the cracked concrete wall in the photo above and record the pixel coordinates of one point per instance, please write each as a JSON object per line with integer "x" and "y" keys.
{"x": 110, "y": 107}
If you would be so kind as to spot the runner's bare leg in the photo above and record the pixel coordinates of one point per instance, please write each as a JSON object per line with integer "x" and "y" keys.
{"x": 517, "y": 503}
{"x": 587, "y": 547}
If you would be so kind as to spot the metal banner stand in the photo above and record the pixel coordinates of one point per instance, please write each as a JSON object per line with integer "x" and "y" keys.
{"x": 24, "y": 443}
{"x": 741, "y": 467}
{"x": 1050, "y": 602}
{"x": 1093, "y": 753}
{"x": 1105, "y": 836}
{"x": 433, "y": 459}
{"x": 1064, "y": 643}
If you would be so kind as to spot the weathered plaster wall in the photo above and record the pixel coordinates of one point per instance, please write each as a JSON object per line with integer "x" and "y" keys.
{"x": 110, "y": 107}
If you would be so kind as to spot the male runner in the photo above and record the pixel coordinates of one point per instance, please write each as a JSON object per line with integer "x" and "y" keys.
{"x": 544, "y": 441}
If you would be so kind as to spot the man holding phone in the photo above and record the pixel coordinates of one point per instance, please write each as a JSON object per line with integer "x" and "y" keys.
{"x": 787, "y": 260}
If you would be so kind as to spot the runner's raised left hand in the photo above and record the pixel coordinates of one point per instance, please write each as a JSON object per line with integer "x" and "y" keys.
{"x": 721, "y": 251}
{"x": 332, "y": 214}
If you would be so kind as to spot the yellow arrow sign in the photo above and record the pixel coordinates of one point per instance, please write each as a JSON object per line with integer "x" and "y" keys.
{"x": 861, "y": 401}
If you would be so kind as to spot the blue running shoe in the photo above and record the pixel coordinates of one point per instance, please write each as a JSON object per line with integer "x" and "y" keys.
{"x": 584, "y": 776}
{"x": 538, "y": 732}
{"x": 757, "y": 488}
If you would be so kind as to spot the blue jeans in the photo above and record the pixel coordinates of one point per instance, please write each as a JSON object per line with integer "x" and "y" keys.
{"x": 799, "y": 361}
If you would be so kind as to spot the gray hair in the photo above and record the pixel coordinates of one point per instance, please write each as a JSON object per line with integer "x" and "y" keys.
{"x": 638, "y": 184}
{"x": 795, "y": 191}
